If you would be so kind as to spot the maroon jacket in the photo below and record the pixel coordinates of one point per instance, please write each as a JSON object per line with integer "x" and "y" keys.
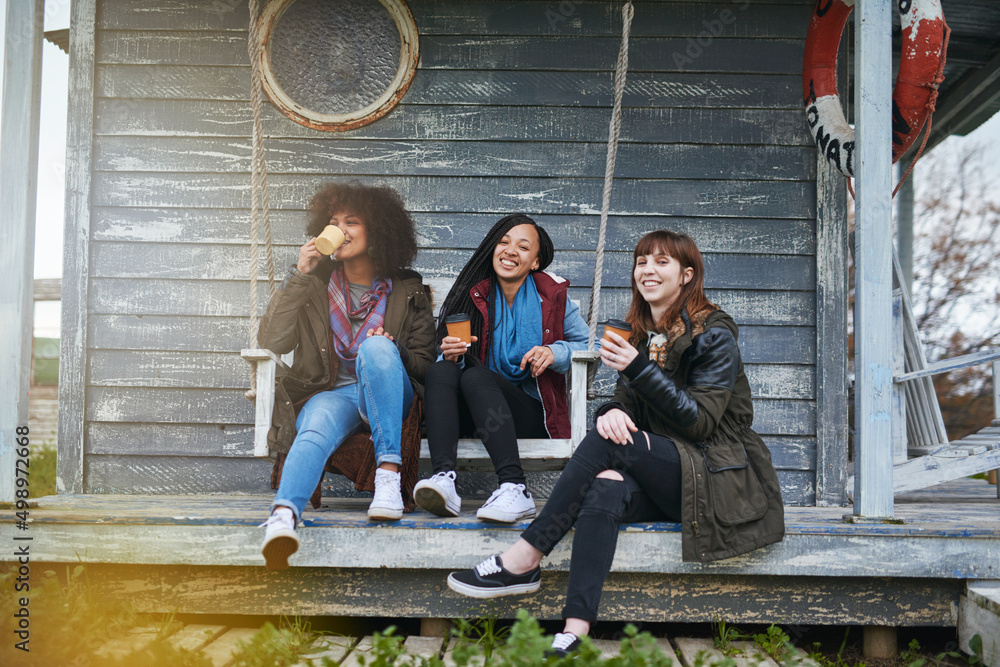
{"x": 551, "y": 385}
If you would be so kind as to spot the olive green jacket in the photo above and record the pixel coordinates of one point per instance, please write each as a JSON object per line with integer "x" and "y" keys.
{"x": 298, "y": 318}
{"x": 700, "y": 398}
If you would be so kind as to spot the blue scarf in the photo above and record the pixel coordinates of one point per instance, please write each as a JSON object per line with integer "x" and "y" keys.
{"x": 516, "y": 329}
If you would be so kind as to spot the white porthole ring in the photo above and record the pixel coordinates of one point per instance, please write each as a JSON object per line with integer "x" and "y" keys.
{"x": 390, "y": 97}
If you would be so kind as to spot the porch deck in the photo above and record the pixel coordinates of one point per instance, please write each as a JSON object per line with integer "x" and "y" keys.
{"x": 201, "y": 554}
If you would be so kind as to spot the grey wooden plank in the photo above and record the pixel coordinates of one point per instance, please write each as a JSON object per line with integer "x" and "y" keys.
{"x": 130, "y": 438}
{"x": 652, "y": 597}
{"x": 210, "y": 440}
{"x": 524, "y": 88}
{"x": 501, "y": 195}
{"x": 175, "y": 475}
{"x": 164, "y": 117}
{"x": 831, "y": 323}
{"x": 165, "y": 369}
{"x": 181, "y": 406}
{"x": 572, "y": 53}
{"x": 780, "y": 339}
{"x": 503, "y": 17}
{"x": 327, "y": 155}
{"x": 460, "y": 230}
{"x": 170, "y": 332}
{"x": 170, "y": 369}
{"x": 495, "y": 52}
{"x": 47, "y": 289}
{"x": 228, "y": 262}
{"x": 229, "y": 406}
{"x": 76, "y": 248}
{"x": 171, "y": 47}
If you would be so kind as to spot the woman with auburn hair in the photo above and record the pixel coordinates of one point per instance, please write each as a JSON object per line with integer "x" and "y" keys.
{"x": 507, "y": 382}
{"x": 362, "y": 329}
{"x": 675, "y": 444}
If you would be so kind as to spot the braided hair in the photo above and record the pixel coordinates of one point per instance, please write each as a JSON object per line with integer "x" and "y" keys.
{"x": 479, "y": 268}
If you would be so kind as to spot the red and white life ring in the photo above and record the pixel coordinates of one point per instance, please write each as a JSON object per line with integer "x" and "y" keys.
{"x": 924, "y": 38}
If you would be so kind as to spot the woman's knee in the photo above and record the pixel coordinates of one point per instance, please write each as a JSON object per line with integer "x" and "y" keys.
{"x": 597, "y": 449}
{"x": 378, "y": 350}
{"x": 476, "y": 378}
{"x": 443, "y": 372}
{"x": 606, "y": 495}
{"x": 610, "y": 474}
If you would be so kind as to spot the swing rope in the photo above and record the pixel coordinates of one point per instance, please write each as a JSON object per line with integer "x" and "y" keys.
{"x": 614, "y": 130}
{"x": 258, "y": 192}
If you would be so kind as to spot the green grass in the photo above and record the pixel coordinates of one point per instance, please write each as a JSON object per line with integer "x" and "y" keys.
{"x": 42, "y": 472}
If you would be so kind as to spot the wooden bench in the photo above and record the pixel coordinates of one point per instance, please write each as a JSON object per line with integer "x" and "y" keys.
{"x": 536, "y": 454}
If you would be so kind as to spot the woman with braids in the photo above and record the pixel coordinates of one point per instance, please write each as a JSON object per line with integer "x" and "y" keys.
{"x": 675, "y": 444}
{"x": 362, "y": 330}
{"x": 526, "y": 332}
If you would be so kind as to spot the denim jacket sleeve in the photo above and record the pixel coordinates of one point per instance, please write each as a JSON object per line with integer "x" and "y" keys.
{"x": 575, "y": 336}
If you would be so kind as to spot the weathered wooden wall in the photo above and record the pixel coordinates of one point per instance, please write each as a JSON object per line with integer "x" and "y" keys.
{"x": 508, "y": 111}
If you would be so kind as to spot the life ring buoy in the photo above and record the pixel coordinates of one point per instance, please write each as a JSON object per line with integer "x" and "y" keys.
{"x": 924, "y": 38}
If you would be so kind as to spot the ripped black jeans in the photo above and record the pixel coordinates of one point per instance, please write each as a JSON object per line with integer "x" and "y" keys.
{"x": 651, "y": 491}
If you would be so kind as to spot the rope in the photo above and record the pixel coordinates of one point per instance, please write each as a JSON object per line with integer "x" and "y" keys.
{"x": 258, "y": 192}
{"x": 614, "y": 130}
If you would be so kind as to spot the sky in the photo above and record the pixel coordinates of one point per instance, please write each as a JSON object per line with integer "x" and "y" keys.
{"x": 52, "y": 162}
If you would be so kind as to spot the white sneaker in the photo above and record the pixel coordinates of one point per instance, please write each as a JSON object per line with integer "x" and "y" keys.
{"x": 280, "y": 540}
{"x": 437, "y": 494}
{"x": 387, "y": 504}
{"x": 510, "y": 503}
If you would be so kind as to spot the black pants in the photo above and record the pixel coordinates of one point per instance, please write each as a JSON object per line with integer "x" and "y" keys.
{"x": 651, "y": 491}
{"x": 475, "y": 401}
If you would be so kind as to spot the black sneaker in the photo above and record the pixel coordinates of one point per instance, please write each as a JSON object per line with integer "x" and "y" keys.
{"x": 490, "y": 580}
{"x": 563, "y": 644}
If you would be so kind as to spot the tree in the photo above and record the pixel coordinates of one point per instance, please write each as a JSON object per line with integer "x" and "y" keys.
{"x": 956, "y": 278}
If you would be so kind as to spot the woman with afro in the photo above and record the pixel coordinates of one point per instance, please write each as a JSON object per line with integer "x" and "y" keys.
{"x": 362, "y": 329}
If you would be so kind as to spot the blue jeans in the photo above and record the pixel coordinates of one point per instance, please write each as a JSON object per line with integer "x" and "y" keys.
{"x": 383, "y": 394}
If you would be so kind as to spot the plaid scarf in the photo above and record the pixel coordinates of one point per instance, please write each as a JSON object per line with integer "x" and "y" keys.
{"x": 372, "y": 308}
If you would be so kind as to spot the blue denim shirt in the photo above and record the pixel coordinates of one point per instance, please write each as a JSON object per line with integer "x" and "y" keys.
{"x": 576, "y": 333}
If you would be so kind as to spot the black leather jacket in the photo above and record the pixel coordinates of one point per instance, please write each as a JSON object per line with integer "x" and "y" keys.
{"x": 700, "y": 398}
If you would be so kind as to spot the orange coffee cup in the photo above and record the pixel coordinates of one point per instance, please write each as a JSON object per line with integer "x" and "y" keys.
{"x": 623, "y": 329}
{"x": 459, "y": 326}
{"x": 329, "y": 240}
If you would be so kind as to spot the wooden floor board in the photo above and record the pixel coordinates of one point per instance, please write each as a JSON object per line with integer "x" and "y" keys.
{"x": 424, "y": 647}
{"x": 703, "y": 651}
{"x": 449, "y": 659}
{"x": 607, "y": 647}
{"x": 221, "y": 649}
{"x": 196, "y": 636}
{"x": 334, "y": 647}
{"x": 362, "y": 648}
{"x": 134, "y": 640}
